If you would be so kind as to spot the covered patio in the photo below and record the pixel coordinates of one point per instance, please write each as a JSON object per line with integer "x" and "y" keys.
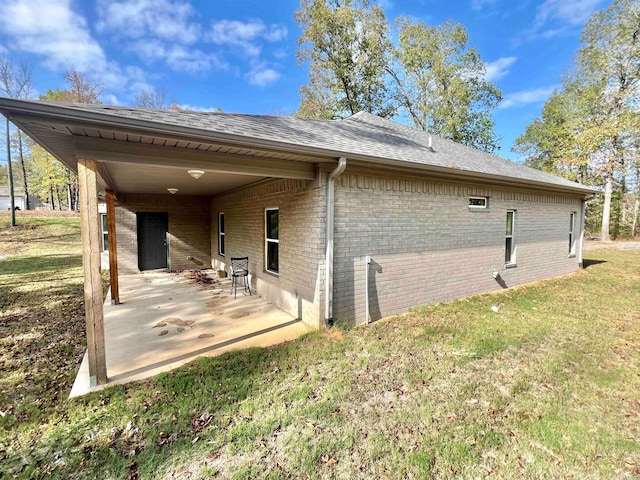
{"x": 167, "y": 319}
{"x": 160, "y": 174}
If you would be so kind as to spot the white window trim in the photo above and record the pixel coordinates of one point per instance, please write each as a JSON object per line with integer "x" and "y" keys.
{"x": 271, "y": 240}
{"x": 479, "y": 207}
{"x": 105, "y": 242}
{"x": 220, "y": 235}
{"x": 512, "y": 261}
{"x": 572, "y": 235}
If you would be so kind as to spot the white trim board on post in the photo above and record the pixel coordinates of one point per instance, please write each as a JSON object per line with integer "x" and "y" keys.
{"x": 93, "y": 300}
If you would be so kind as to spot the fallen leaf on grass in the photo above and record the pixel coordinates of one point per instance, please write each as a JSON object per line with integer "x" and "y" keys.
{"x": 133, "y": 471}
{"x": 201, "y": 422}
{"x": 163, "y": 332}
{"x": 329, "y": 460}
{"x": 205, "y": 335}
{"x": 180, "y": 329}
{"x": 216, "y": 312}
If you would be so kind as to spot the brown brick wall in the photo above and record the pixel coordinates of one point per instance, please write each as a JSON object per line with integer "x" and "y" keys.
{"x": 298, "y": 287}
{"x": 189, "y": 229}
{"x": 427, "y": 246}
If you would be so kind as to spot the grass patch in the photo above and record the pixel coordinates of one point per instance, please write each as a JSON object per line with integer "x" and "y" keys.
{"x": 545, "y": 388}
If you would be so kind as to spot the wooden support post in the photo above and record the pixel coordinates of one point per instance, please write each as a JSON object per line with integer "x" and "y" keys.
{"x": 90, "y": 233}
{"x": 113, "y": 251}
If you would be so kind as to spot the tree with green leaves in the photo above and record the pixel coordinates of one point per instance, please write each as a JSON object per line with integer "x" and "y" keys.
{"x": 430, "y": 76}
{"x": 589, "y": 129}
{"x": 346, "y": 43}
{"x": 609, "y": 61}
{"x": 53, "y": 181}
{"x": 49, "y": 177}
{"x": 553, "y": 143}
{"x": 441, "y": 83}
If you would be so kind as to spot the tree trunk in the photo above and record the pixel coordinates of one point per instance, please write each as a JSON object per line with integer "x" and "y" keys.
{"x": 76, "y": 193}
{"x": 53, "y": 203}
{"x": 70, "y": 198}
{"x": 58, "y": 197}
{"x": 606, "y": 211}
{"x": 634, "y": 224}
{"x": 12, "y": 200}
{"x": 27, "y": 204}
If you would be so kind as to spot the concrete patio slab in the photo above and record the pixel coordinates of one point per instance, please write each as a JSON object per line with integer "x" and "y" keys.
{"x": 166, "y": 320}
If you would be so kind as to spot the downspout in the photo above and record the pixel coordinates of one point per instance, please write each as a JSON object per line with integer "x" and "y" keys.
{"x": 583, "y": 221}
{"x": 328, "y": 261}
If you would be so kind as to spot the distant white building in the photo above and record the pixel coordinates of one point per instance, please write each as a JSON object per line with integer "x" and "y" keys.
{"x": 20, "y": 199}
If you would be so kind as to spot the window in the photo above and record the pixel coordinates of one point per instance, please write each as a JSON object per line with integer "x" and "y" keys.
{"x": 105, "y": 232}
{"x": 572, "y": 238}
{"x": 510, "y": 242}
{"x": 221, "y": 233}
{"x": 478, "y": 202}
{"x": 272, "y": 243}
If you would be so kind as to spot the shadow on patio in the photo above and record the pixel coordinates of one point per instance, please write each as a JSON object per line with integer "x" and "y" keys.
{"x": 166, "y": 320}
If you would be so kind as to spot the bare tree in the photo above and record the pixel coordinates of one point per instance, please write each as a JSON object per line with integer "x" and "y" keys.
{"x": 82, "y": 88}
{"x": 15, "y": 82}
{"x": 151, "y": 98}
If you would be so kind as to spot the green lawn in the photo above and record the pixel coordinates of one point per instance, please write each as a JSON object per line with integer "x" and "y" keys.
{"x": 548, "y": 387}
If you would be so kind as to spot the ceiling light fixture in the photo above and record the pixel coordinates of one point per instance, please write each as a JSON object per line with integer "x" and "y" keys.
{"x": 172, "y": 191}
{"x": 195, "y": 173}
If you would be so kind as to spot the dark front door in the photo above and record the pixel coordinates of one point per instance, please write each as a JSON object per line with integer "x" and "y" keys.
{"x": 152, "y": 240}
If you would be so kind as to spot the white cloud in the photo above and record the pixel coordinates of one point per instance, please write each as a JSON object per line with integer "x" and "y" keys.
{"x": 573, "y": 12}
{"x": 191, "y": 60}
{"x": 276, "y": 33}
{"x": 59, "y": 35}
{"x": 197, "y": 108}
{"x": 525, "y": 97}
{"x": 63, "y": 40}
{"x": 168, "y": 20}
{"x": 559, "y": 17}
{"x": 481, "y": 4}
{"x": 161, "y": 30}
{"x": 246, "y": 35}
{"x": 110, "y": 99}
{"x": 262, "y": 75}
{"x": 178, "y": 57}
{"x": 499, "y": 68}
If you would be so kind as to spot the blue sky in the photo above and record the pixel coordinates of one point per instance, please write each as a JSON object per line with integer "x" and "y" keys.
{"x": 239, "y": 55}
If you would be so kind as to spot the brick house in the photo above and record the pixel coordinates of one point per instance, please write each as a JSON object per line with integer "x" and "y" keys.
{"x": 347, "y": 220}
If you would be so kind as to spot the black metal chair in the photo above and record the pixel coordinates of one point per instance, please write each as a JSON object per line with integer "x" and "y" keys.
{"x": 240, "y": 268}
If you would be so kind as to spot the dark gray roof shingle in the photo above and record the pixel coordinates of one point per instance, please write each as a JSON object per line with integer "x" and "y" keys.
{"x": 362, "y": 136}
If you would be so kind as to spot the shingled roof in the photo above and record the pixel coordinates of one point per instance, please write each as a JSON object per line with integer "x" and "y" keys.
{"x": 362, "y": 136}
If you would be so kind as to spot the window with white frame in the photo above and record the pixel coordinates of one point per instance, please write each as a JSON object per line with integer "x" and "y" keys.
{"x": 221, "y": 238}
{"x": 272, "y": 241}
{"x": 480, "y": 203}
{"x": 572, "y": 238}
{"x": 105, "y": 232}
{"x": 510, "y": 240}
